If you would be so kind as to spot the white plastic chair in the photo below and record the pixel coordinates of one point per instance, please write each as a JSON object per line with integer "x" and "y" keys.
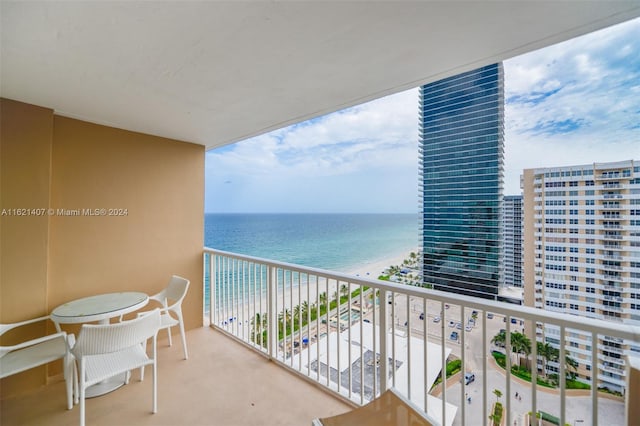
{"x": 171, "y": 300}
{"x": 36, "y": 352}
{"x": 106, "y": 350}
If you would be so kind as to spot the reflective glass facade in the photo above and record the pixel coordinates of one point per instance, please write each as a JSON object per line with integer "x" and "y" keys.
{"x": 462, "y": 156}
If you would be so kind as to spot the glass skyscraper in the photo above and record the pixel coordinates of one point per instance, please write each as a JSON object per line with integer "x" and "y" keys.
{"x": 462, "y": 160}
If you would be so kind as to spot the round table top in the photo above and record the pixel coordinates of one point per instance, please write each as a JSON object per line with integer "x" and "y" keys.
{"x": 99, "y": 307}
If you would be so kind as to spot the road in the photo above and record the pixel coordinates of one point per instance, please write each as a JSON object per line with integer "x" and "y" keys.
{"x": 578, "y": 408}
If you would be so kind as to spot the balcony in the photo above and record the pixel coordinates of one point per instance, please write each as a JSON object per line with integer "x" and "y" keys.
{"x": 221, "y": 382}
{"x": 337, "y": 322}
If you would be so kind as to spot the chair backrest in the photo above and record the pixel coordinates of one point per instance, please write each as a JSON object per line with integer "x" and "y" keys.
{"x": 105, "y": 338}
{"x": 177, "y": 289}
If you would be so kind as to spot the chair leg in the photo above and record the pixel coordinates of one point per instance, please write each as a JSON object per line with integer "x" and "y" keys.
{"x": 82, "y": 393}
{"x": 184, "y": 340}
{"x": 154, "y": 408}
{"x": 76, "y": 386}
{"x": 67, "y": 372}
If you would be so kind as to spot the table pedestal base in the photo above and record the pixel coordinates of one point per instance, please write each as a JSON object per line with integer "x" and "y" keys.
{"x": 105, "y": 386}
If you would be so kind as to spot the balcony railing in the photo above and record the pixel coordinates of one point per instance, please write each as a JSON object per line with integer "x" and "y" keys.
{"x": 358, "y": 336}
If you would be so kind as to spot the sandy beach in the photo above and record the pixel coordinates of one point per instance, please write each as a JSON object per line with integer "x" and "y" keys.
{"x": 376, "y": 268}
{"x": 243, "y": 310}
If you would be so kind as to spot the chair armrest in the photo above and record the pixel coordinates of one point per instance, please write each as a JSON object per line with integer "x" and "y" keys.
{"x": 162, "y": 311}
{"x": 36, "y": 341}
{"x": 6, "y": 327}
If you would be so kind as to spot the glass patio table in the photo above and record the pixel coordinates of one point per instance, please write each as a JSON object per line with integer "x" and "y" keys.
{"x": 99, "y": 308}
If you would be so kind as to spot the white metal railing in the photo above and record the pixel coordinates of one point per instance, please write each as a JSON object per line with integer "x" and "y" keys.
{"x": 329, "y": 327}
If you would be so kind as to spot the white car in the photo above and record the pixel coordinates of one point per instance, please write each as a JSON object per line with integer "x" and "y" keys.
{"x": 436, "y": 319}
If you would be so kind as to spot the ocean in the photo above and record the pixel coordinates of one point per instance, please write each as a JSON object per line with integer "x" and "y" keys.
{"x": 338, "y": 242}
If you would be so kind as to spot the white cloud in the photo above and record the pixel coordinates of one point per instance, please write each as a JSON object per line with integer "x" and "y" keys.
{"x": 574, "y": 103}
{"x": 355, "y": 158}
{"x": 577, "y": 102}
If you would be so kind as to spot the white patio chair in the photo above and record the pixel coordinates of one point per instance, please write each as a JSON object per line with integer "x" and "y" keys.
{"x": 171, "y": 300}
{"x": 106, "y": 350}
{"x": 36, "y": 352}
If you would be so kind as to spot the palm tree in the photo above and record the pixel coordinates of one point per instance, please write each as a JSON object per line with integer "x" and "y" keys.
{"x": 498, "y": 394}
{"x": 500, "y": 339}
{"x": 284, "y": 316}
{"x": 571, "y": 366}
{"x": 296, "y": 313}
{"x": 545, "y": 352}
{"x": 259, "y": 326}
{"x": 305, "y": 309}
{"x": 323, "y": 298}
{"x": 520, "y": 344}
{"x": 414, "y": 257}
{"x": 344, "y": 290}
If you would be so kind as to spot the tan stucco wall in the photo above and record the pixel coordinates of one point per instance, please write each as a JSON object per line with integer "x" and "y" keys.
{"x": 25, "y": 169}
{"x": 79, "y": 165}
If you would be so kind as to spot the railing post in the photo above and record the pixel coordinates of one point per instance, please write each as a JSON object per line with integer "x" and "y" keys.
{"x": 384, "y": 358}
{"x": 212, "y": 287}
{"x": 272, "y": 324}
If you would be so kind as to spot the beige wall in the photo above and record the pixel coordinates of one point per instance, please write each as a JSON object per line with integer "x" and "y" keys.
{"x": 25, "y": 169}
{"x": 71, "y": 164}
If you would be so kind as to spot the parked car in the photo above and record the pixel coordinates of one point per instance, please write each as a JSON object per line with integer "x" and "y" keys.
{"x": 436, "y": 318}
{"x": 454, "y": 335}
{"x": 469, "y": 378}
{"x": 422, "y": 316}
{"x": 452, "y": 323}
{"x": 459, "y": 326}
{"x": 489, "y": 315}
{"x": 468, "y": 328}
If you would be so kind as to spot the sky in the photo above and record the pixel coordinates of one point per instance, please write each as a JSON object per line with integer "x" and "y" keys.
{"x": 576, "y": 102}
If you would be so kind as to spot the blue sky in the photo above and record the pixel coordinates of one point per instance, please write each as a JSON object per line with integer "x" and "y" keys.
{"x": 577, "y": 102}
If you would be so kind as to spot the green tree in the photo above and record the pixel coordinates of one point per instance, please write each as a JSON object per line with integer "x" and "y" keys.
{"x": 545, "y": 352}
{"x": 284, "y": 316}
{"x": 498, "y": 394}
{"x": 323, "y": 298}
{"x": 344, "y": 290}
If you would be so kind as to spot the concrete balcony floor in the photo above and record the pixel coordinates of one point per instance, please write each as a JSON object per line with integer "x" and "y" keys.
{"x": 222, "y": 383}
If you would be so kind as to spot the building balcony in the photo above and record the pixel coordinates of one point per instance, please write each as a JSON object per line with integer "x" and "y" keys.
{"x": 353, "y": 311}
{"x": 327, "y": 361}
{"x": 221, "y": 383}
{"x": 611, "y": 196}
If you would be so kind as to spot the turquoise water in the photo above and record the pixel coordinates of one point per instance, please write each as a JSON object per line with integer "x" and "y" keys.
{"x": 338, "y": 242}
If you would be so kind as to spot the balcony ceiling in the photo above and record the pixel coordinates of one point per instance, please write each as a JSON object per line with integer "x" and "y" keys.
{"x": 214, "y": 73}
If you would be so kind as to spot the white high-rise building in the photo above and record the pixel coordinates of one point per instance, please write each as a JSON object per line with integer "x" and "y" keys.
{"x": 512, "y": 233}
{"x": 582, "y": 256}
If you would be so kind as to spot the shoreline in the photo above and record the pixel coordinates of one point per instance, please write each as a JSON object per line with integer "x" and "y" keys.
{"x": 376, "y": 268}
{"x": 295, "y": 294}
